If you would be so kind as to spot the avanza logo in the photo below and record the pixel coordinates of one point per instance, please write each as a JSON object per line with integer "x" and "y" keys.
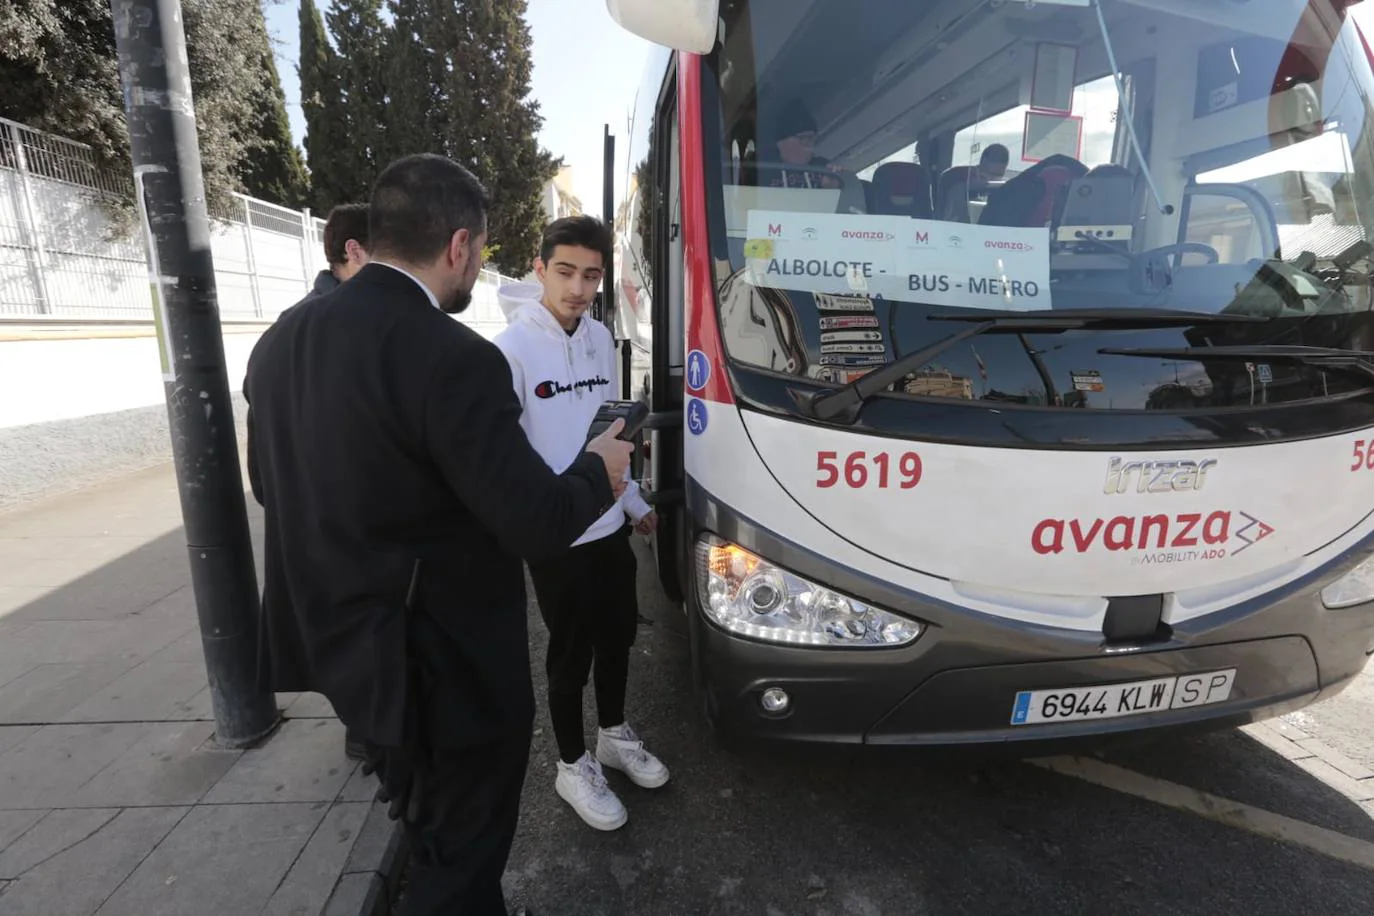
{"x": 1182, "y": 538}
{"x": 1009, "y": 246}
{"x": 867, "y": 235}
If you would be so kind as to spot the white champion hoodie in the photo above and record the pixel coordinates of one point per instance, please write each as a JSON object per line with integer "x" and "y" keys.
{"x": 562, "y": 380}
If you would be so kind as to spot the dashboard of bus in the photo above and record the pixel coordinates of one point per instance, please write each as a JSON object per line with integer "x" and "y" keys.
{"x": 1187, "y": 185}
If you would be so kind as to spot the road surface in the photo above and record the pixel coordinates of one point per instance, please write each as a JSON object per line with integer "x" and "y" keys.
{"x": 1225, "y": 823}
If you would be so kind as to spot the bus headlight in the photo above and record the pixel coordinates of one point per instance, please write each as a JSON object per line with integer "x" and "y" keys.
{"x": 746, "y": 594}
{"x": 1355, "y": 587}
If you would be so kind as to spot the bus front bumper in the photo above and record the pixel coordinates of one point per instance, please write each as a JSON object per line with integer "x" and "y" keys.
{"x": 960, "y": 683}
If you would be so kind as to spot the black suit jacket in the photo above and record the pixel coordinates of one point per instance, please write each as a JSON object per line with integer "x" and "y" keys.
{"x": 382, "y": 431}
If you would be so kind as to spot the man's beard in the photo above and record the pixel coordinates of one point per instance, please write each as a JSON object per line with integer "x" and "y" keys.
{"x": 457, "y": 302}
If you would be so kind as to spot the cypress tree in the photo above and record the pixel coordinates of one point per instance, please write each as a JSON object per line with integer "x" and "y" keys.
{"x": 326, "y": 121}
{"x": 271, "y": 168}
{"x": 361, "y": 37}
{"x": 494, "y": 125}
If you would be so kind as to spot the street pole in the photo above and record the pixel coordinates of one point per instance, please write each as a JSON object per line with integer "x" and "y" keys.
{"x": 170, "y": 194}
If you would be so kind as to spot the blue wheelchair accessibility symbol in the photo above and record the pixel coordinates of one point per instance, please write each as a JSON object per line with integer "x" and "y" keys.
{"x": 698, "y": 370}
{"x": 696, "y": 417}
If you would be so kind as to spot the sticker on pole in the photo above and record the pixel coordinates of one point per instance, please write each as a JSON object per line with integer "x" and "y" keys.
{"x": 698, "y": 370}
{"x": 696, "y": 416}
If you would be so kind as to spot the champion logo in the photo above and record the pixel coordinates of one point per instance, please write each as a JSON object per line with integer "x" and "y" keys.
{"x": 551, "y": 389}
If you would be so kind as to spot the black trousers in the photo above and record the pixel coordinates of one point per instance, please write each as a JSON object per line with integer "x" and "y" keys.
{"x": 464, "y": 825}
{"x": 588, "y": 601}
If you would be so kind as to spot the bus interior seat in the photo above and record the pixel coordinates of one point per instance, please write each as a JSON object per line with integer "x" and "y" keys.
{"x": 951, "y": 194}
{"x": 869, "y": 198}
{"x": 901, "y": 189}
{"x": 1034, "y": 197}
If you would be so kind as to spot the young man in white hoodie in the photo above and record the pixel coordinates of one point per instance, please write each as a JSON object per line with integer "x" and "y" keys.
{"x": 562, "y": 364}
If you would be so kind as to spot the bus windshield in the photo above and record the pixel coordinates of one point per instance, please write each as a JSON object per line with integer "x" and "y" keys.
{"x": 883, "y": 163}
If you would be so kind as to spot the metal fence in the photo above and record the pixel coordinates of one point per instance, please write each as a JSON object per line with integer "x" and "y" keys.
{"x": 59, "y": 259}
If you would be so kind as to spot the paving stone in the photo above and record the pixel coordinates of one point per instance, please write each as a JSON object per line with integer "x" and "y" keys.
{"x": 176, "y": 764}
{"x": 46, "y": 693}
{"x": 149, "y": 692}
{"x": 130, "y": 583}
{"x": 378, "y": 844}
{"x": 11, "y": 735}
{"x": 17, "y": 597}
{"x": 14, "y": 824}
{"x": 311, "y": 879}
{"x": 1354, "y": 789}
{"x": 310, "y": 706}
{"x": 77, "y": 880}
{"x": 1338, "y": 760}
{"x": 45, "y": 770}
{"x": 198, "y": 707}
{"x": 1284, "y": 747}
{"x": 355, "y": 894}
{"x": 220, "y": 859}
{"x": 185, "y": 648}
{"x": 58, "y": 830}
{"x": 303, "y": 762}
{"x": 359, "y": 788}
{"x": 94, "y": 641}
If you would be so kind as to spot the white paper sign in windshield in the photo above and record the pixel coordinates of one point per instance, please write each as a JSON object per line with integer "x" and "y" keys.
{"x": 896, "y": 257}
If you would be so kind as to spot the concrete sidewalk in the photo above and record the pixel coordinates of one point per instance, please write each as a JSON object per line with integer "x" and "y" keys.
{"x": 114, "y": 798}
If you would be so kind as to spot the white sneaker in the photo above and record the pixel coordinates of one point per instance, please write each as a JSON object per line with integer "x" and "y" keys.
{"x": 620, "y": 749}
{"x": 583, "y": 786}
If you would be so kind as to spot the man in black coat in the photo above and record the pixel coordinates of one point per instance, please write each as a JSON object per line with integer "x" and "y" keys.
{"x": 400, "y": 496}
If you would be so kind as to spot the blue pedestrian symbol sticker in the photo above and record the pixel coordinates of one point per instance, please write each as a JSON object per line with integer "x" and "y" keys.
{"x": 698, "y": 370}
{"x": 696, "y": 416}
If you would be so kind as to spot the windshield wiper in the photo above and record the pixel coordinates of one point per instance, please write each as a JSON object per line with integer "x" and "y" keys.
{"x": 842, "y": 405}
{"x": 1123, "y": 319}
{"x": 1354, "y": 361}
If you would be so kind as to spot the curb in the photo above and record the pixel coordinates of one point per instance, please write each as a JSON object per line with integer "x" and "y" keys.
{"x": 371, "y": 878}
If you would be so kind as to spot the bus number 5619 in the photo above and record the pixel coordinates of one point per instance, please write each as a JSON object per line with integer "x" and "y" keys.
{"x": 855, "y": 469}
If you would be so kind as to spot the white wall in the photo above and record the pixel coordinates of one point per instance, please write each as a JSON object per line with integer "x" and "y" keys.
{"x": 58, "y": 258}
{"x": 81, "y": 394}
{"x": 78, "y": 411}
{"x": 54, "y": 380}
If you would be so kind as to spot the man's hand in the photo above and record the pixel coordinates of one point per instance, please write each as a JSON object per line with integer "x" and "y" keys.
{"x": 614, "y": 453}
{"x": 648, "y": 524}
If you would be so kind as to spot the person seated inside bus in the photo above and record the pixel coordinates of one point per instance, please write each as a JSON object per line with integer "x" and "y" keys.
{"x": 960, "y": 183}
{"x": 791, "y": 141}
{"x": 1036, "y": 196}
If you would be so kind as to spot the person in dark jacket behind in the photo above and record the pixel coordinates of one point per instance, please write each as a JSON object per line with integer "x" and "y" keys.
{"x": 400, "y": 496}
{"x": 346, "y": 247}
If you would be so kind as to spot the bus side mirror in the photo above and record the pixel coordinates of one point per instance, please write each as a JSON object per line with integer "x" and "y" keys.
{"x": 683, "y": 25}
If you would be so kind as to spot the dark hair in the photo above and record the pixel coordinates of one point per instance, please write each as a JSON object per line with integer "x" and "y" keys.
{"x": 346, "y": 221}
{"x": 793, "y": 118}
{"x": 578, "y": 232}
{"x": 996, "y": 153}
{"x": 419, "y": 202}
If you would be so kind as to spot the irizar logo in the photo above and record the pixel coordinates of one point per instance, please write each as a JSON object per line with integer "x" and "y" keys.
{"x": 1156, "y": 476}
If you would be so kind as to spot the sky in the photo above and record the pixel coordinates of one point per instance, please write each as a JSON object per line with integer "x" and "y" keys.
{"x": 586, "y": 72}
